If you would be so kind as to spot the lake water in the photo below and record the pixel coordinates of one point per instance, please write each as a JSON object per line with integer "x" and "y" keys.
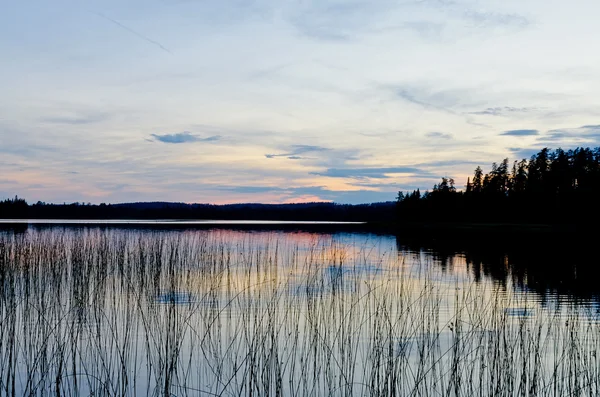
{"x": 168, "y": 222}
{"x": 106, "y": 310}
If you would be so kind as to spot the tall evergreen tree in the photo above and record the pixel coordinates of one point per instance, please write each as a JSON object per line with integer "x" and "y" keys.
{"x": 478, "y": 180}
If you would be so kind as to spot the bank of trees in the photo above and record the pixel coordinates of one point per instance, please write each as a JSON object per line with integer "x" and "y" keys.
{"x": 553, "y": 186}
{"x": 318, "y": 211}
{"x": 13, "y": 208}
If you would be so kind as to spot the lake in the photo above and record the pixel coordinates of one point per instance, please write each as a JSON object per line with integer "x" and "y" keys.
{"x": 269, "y": 309}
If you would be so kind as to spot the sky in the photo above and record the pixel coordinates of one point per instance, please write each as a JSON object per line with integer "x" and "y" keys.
{"x": 288, "y": 100}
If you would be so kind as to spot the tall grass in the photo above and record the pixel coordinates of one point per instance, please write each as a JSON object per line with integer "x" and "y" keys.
{"x": 114, "y": 312}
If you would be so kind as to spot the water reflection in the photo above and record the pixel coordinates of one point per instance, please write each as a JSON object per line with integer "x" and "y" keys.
{"x": 555, "y": 268}
{"x": 111, "y": 311}
{"x": 551, "y": 267}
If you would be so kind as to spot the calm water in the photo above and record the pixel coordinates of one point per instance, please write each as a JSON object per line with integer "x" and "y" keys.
{"x": 168, "y": 222}
{"x": 95, "y": 310}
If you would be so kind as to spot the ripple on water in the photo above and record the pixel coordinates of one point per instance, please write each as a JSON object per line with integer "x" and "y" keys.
{"x": 176, "y": 297}
{"x": 519, "y": 312}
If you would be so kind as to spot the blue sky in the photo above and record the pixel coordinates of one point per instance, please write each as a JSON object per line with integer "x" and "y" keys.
{"x": 280, "y": 101}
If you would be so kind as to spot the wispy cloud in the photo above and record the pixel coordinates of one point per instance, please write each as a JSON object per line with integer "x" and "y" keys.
{"x": 184, "y": 137}
{"x": 438, "y": 135}
{"x": 292, "y": 190}
{"x": 411, "y": 96}
{"x": 520, "y": 133}
{"x": 252, "y": 189}
{"x": 78, "y": 119}
{"x": 478, "y": 18}
{"x": 361, "y": 93}
{"x": 382, "y": 172}
{"x": 426, "y": 29}
{"x": 431, "y": 98}
{"x": 491, "y": 19}
{"x": 294, "y": 151}
{"x": 378, "y": 193}
{"x": 361, "y": 196}
{"x": 523, "y": 153}
{"x": 586, "y": 133}
{"x": 445, "y": 163}
{"x": 141, "y": 36}
{"x": 503, "y": 111}
{"x": 334, "y": 21}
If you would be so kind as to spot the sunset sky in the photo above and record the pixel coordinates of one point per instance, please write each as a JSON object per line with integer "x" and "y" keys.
{"x": 285, "y": 101}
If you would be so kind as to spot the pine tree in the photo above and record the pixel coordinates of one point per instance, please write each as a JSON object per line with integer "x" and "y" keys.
{"x": 478, "y": 180}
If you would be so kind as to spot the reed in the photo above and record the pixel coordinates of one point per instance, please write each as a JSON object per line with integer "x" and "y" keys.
{"x": 109, "y": 312}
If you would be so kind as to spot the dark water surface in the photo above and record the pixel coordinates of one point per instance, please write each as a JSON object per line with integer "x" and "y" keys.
{"x": 167, "y": 222}
{"x": 146, "y": 309}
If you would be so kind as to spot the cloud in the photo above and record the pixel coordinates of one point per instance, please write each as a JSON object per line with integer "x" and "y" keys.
{"x": 335, "y": 21}
{"x": 503, "y": 111}
{"x": 359, "y": 196}
{"x": 184, "y": 137}
{"x": 141, "y": 36}
{"x": 252, "y": 189}
{"x": 446, "y": 163}
{"x": 440, "y": 135}
{"x": 292, "y": 190}
{"x": 456, "y": 12}
{"x": 433, "y": 99}
{"x": 586, "y": 133}
{"x": 294, "y": 151}
{"x": 427, "y": 103}
{"x": 524, "y": 153}
{"x": 520, "y": 133}
{"x": 426, "y": 29}
{"x": 491, "y": 19}
{"x": 77, "y": 118}
{"x": 368, "y": 172}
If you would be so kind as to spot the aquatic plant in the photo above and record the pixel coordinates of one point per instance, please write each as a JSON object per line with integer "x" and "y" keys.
{"x": 122, "y": 312}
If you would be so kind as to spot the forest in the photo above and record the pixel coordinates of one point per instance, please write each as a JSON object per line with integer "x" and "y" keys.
{"x": 18, "y": 208}
{"x": 551, "y": 187}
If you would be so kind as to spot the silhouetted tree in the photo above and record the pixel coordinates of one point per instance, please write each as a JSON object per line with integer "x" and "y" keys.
{"x": 552, "y": 186}
{"x": 478, "y": 180}
{"x": 14, "y": 208}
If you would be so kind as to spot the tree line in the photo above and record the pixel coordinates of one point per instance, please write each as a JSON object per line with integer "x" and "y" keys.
{"x": 553, "y": 186}
{"x": 18, "y": 208}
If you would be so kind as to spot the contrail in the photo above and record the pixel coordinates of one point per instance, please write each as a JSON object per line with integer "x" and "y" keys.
{"x": 141, "y": 36}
